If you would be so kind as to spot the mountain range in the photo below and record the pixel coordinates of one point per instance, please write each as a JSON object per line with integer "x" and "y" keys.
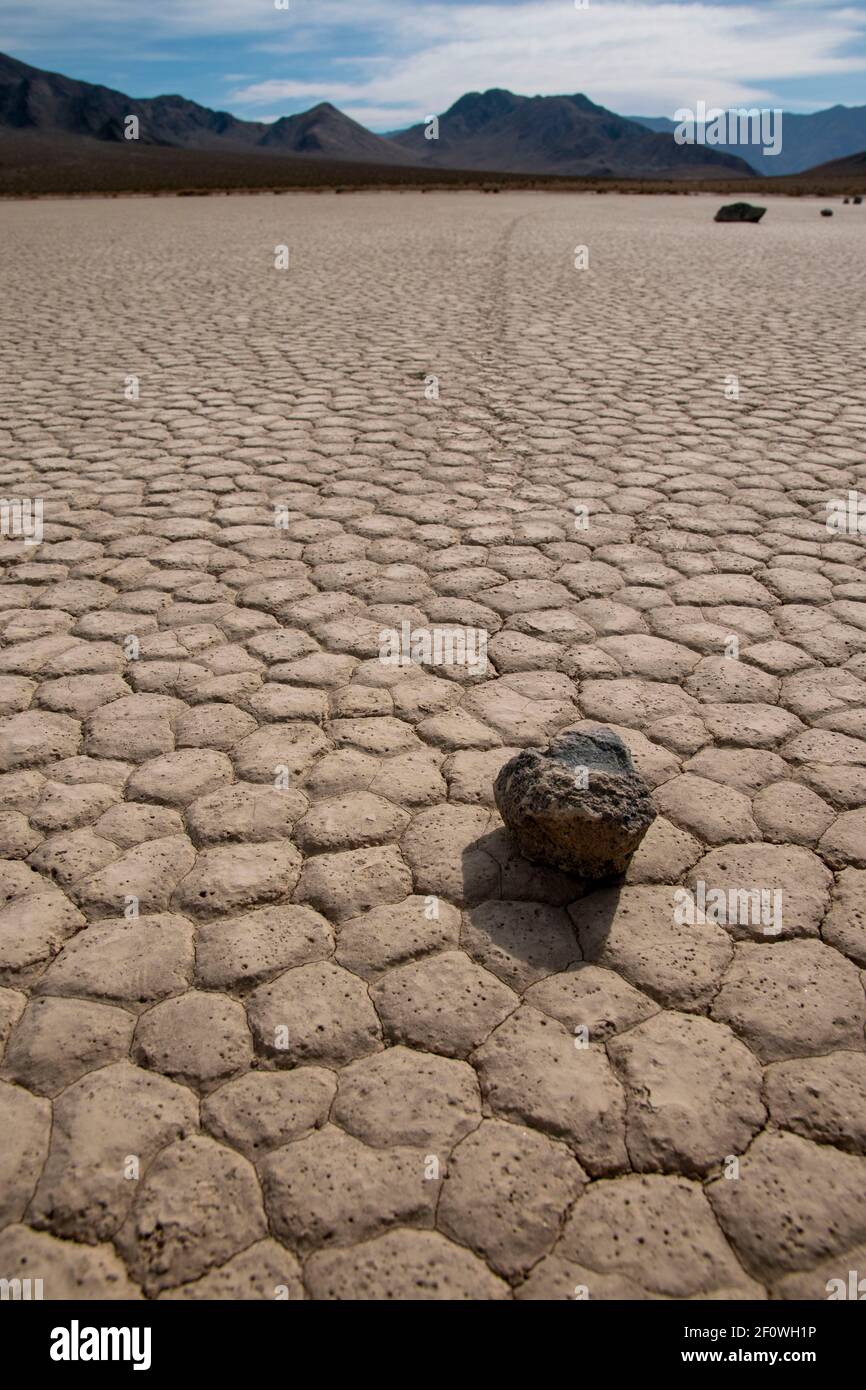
{"x": 495, "y": 131}
{"x": 498, "y": 130}
{"x": 48, "y": 103}
{"x": 807, "y": 140}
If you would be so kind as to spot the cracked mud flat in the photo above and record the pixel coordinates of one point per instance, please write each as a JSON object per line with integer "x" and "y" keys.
{"x": 283, "y": 1013}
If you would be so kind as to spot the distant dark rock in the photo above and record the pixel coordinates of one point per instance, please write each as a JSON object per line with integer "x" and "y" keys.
{"x": 739, "y": 212}
{"x": 826, "y": 212}
{"x": 857, "y": 199}
{"x": 578, "y": 805}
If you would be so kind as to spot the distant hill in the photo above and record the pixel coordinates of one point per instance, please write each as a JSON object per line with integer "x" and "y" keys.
{"x": 808, "y": 141}
{"x": 61, "y": 135}
{"x": 31, "y": 99}
{"x": 495, "y": 130}
{"x": 558, "y": 135}
{"x": 50, "y": 104}
{"x": 327, "y": 132}
{"x": 852, "y": 166}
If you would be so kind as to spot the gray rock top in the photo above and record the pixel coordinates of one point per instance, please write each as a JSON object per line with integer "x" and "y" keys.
{"x": 577, "y": 805}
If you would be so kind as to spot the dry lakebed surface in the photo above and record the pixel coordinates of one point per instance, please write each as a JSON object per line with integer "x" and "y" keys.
{"x": 284, "y": 1012}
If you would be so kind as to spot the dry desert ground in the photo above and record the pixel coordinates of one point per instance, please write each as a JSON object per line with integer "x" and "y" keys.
{"x": 285, "y": 1015}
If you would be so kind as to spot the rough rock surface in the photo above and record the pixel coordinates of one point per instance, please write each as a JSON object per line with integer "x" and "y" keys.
{"x": 739, "y": 212}
{"x": 282, "y": 1005}
{"x": 578, "y": 804}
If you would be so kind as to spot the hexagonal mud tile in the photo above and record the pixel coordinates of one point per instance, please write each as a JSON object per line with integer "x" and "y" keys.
{"x": 178, "y": 778}
{"x": 521, "y": 942}
{"x": 588, "y": 997}
{"x": 505, "y": 1194}
{"x": 107, "y": 1126}
{"x": 416, "y": 1265}
{"x": 229, "y": 878}
{"x": 265, "y": 1270}
{"x": 26, "y": 1125}
{"x": 636, "y": 932}
{"x": 237, "y": 952}
{"x": 197, "y": 1206}
{"x": 658, "y": 1231}
{"x": 442, "y": 849}
{"x": 445, "y": 1003}
{"x": 125, "y": 961}
{"x": 792, "y": 1204}
{"x": 794, "y": 883}
{"x": 821, "y": 1098}
{"x": 198, "y": 1038}
{"x": 792, "y": 999}
{"x": 264, "y": 1110}
{"x": 331, "y": 1189}
{"x": 845, "y": 924}
{"x": 314, "y": 1013}
{"x": 246, "y": 811}
{"x": 396, "y": 934}
{"x": 57, "y": 1040}
{"x": 533, "y": 1072}
{"x": 67, "y": 1270}
{"x": 406, "y": 1097}
{"x": 347, "y": 884}
{"x": 355, "y": 821}
{"x": 693, "y": 1093}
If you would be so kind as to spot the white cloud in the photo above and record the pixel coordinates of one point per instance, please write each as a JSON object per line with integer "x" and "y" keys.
{"x": 383, "y": 117}
{"x": 623, "y": 53}
{"x": 178, "y": 18}
{"x": 393, "y": 61}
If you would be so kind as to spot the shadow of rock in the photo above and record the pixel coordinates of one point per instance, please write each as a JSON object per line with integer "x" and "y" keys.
{"x": 528, "y": 930}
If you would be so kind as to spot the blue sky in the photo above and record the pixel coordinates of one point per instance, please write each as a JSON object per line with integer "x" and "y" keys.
{"x": 389, "y": 63}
